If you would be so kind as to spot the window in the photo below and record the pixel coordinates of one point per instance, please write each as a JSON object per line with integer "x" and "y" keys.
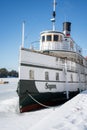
{"x": 31, "y": 74}
{"x": 57, "y": 76}
{"x": 60, "y": 37}
{"x": 43, "y": 38}
{"x": 55, "y": 38}
{"x": 49, "y": 38}
{"x": 46, "y": 76}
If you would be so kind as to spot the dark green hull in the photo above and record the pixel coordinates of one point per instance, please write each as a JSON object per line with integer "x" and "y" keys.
{"x": 30, "y": 99}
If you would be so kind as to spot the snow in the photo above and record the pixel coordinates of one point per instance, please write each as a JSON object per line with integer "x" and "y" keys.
{"x": 70, "y": 116}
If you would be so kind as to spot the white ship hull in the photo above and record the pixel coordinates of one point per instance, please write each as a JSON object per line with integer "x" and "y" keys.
{"x": 64, "y": 78}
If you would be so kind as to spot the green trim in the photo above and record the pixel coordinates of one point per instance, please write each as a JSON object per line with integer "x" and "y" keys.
{"x": 56, "y": 81}
{"x": 38, "y": 66}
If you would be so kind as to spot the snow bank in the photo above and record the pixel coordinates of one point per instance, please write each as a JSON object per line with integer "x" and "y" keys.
{"x": 8, "y": 96}
{"x": 9, "y": 106}
{"x": 71, "y": 116}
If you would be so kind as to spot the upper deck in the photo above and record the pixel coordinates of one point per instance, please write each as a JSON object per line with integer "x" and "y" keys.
{"x": 53, "y": 40}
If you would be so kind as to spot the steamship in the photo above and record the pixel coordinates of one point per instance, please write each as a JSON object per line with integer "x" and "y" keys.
{"x": 55, "y": 72}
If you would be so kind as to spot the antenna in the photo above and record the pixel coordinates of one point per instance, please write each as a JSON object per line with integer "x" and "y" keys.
{"x": 54, "y": 14}
{"x": 23, "y": 25}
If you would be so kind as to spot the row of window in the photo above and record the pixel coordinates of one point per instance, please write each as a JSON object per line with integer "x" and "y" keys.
{"x": 31, "y": 75}
{"x": 51, "y": 38}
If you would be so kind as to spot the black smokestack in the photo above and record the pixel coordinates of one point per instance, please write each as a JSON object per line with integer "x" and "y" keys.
{"x": 67, "y": 28}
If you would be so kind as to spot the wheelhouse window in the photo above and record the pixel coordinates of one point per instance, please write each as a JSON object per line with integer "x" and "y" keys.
{"x": 60, "y": 38}
{"x": 57, "y": 76}
{"x": 55, "y": 38}
{"x": 43, "y": 38}
{"x": 46, "y": 75}
{"x": 49, "y": 38}
{"x": 31, "y": 74}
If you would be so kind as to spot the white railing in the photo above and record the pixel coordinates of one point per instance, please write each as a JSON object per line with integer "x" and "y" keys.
{"x": 64, "y": 45}
{"x": 35, "y": 45}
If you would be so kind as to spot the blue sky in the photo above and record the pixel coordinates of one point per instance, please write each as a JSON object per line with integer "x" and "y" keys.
{"x": 37, "y": 14}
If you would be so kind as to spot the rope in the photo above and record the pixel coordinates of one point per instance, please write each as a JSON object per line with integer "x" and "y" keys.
{"x": 38, "y": 101}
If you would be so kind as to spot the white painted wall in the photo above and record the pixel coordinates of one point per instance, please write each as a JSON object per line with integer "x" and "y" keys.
{"x": 33, "y": 58}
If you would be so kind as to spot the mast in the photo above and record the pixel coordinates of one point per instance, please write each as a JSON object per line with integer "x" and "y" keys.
{"x": 54, "y": 14}
{"x": 23, "y": 24}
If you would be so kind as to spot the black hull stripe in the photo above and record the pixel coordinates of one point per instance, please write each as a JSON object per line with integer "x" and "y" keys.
{"x": 38, "y": 66}
{"x": 57, "y": 81}
{"x": 44, "y": 67}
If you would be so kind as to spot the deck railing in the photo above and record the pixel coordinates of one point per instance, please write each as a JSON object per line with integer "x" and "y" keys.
{"x": 64, "y": 45}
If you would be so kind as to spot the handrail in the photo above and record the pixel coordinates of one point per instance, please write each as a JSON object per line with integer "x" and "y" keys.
{"x": 64, "y": 45}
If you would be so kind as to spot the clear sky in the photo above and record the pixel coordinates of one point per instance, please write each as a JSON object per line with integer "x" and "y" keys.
{"x": 37, "y": 14}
